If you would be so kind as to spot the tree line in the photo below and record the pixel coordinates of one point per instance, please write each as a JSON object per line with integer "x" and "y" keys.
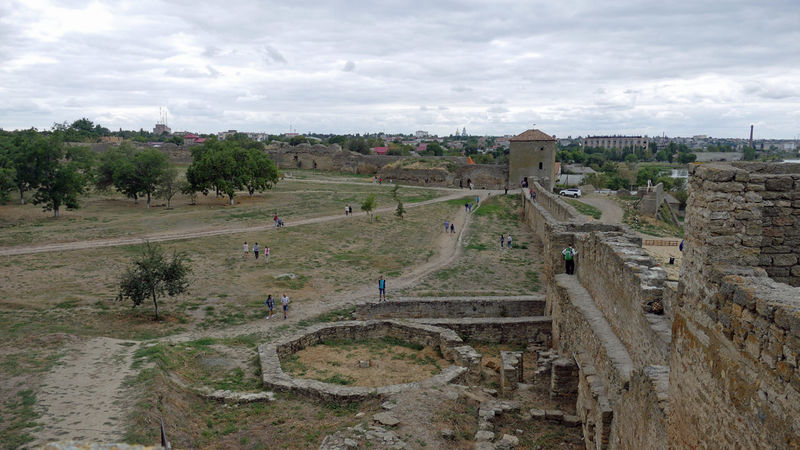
{"x": 58, "y": 172}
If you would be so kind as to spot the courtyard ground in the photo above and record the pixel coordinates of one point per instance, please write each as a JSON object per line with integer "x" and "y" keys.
{"x": 67, "y": 346}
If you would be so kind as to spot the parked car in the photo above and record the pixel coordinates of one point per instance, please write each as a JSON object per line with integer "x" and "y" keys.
{"x": 571, "y": 192}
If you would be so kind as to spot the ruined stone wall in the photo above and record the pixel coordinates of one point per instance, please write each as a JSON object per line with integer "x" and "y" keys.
{"x": 451, "y": 307}
{"x": 623, "y": 392}
{"x": 751, "y": 215}
{"x": 736, "y": 335}
{"x": 483, "y": 176}
{"x": 622, "y": 279}
{"x": 333, "y": 158}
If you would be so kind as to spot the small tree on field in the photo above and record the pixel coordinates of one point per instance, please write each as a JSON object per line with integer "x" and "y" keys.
{"x": 151, "y": 275}
{"x": 168, "y": 185}
{"x": 400, "y": 210}
{"x": 369, "y": 205}
{"x": 395, "y": 190}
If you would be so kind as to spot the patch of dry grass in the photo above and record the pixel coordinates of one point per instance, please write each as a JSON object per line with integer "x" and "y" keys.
{"x": 337, "y": 362}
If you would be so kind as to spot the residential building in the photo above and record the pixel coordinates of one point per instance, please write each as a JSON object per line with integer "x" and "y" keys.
{"x": 616, "y": 141}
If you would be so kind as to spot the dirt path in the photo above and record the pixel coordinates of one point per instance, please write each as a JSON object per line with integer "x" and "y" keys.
{"x": 162, "y": 237}
{"x": 82, "y": 398}
{"x": 612, "y": 212}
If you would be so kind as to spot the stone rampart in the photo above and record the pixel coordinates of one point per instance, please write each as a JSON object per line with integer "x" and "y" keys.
{"x": 735, "y": 380}
{"x": 622, "y": 279}
{"x": 600, "y": 313}
{"x": 438, "y": 307}
{"x": 514, "y": 330}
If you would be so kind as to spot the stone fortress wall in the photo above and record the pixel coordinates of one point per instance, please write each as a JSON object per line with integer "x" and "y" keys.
{"x": 334, "y": 158}
{"x": 599, "y": 318}
{"x": 719, "y": 367}
{"x": 736, "y": 334}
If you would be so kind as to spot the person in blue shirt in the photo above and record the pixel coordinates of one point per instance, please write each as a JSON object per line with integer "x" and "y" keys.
{"x": 381, "y": 289}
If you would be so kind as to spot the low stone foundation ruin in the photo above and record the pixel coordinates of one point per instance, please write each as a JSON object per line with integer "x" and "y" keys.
{"x": 452, "y": 348}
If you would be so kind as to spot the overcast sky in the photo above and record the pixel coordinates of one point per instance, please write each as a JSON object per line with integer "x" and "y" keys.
{"x": 495, "y": 67}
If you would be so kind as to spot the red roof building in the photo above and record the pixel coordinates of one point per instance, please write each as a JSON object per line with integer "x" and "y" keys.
{"x": 380, "y": 150}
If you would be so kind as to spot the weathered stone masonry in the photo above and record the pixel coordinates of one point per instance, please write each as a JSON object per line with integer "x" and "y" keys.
{"x": 720, "y": 368}
{"x": 736, "y": 334}
{"x": 599, "y": 319}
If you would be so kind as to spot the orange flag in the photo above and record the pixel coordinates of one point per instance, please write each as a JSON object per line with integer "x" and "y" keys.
{"x": 469, "y": 160}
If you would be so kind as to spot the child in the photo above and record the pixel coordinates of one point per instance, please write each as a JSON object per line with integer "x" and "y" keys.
{"x": 255, "y": 249}
{"x": 246, "y": 250}
{"x": 270, "y": 303}
{"x": 266, "y": 255}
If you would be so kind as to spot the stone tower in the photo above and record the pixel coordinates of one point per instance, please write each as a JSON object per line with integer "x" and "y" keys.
{"x": 532, "y": 155}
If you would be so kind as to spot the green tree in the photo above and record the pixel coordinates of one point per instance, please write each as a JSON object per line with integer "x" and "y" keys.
{"x": 261, "y": 172}
{"x": 749, "y": 154}
{"x": 151, "y": 274}
{"x": 7, "y": 170}
{"x": 434, "y": 148}
{"x": 169, "y": 185}
{"x": 368, "y": 205}
{"x": 24, "y": 147}
{"x": 108, "y": 163}
{"x": 358, "y": 145}
{"x": 149, "y": 166}
{"x": 400, "y": 211}
{"x": 63, "y": 175}
{"x": 686, "y": 157}
{"x": 395, "y": 191}
{"x": 341, "y": 140}
{"x": 297, "y": 140}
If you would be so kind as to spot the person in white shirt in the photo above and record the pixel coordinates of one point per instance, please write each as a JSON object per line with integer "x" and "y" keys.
{"x": 285, "y": 303}
{"x": 246, "y": 250}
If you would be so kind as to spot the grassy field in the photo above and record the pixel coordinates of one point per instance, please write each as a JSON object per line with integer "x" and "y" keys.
{"x": 484, "y": 268}
{"x": 51, "y": 300}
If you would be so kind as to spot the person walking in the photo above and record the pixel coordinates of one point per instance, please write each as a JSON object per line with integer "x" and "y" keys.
{"x": 266, "y": 254}
{"x": 285, "y": 303}
{"x": 508, "y": 242}
{"x": 452, "y": 229}
{"x": 569, "y": 259}
{"x": 446, "y": 226}
{"x": 477, "y": 201}
{"x": 502, "y": 240}
{"x": 350, "y": 208}
{"x": 255, "y": 250}
{"x": 275, "y": 218}
{"x": 506, "y": 193}
{"x": 347, "y": 210}
{"x": 270, "y": 303}
{"x": 381, "y": 289}
{"x": 466, "y": 206}
{"x": 246, "y": 250}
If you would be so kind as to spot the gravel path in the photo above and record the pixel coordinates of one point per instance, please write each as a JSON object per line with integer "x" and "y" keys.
{"x": 84, "y": 398}
{"x": 612, "y": 212}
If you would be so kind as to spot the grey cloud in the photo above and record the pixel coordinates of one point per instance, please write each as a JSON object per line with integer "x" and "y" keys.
{"x": 272, "y": 55}
{"x": 349, "y": 66}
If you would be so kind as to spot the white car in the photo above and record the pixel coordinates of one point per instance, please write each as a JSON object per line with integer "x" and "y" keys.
{"x": 571, "y": 192}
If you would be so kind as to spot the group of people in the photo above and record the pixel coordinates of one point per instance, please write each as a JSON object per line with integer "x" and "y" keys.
{"x": 348, "y": 210}
{"x": 504, "y": 240}
{"x": 277, "y": 220}
{"x": 256, "y": 251}
{"x": 449, "y": 227}
{"x": 270, "y": 304}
